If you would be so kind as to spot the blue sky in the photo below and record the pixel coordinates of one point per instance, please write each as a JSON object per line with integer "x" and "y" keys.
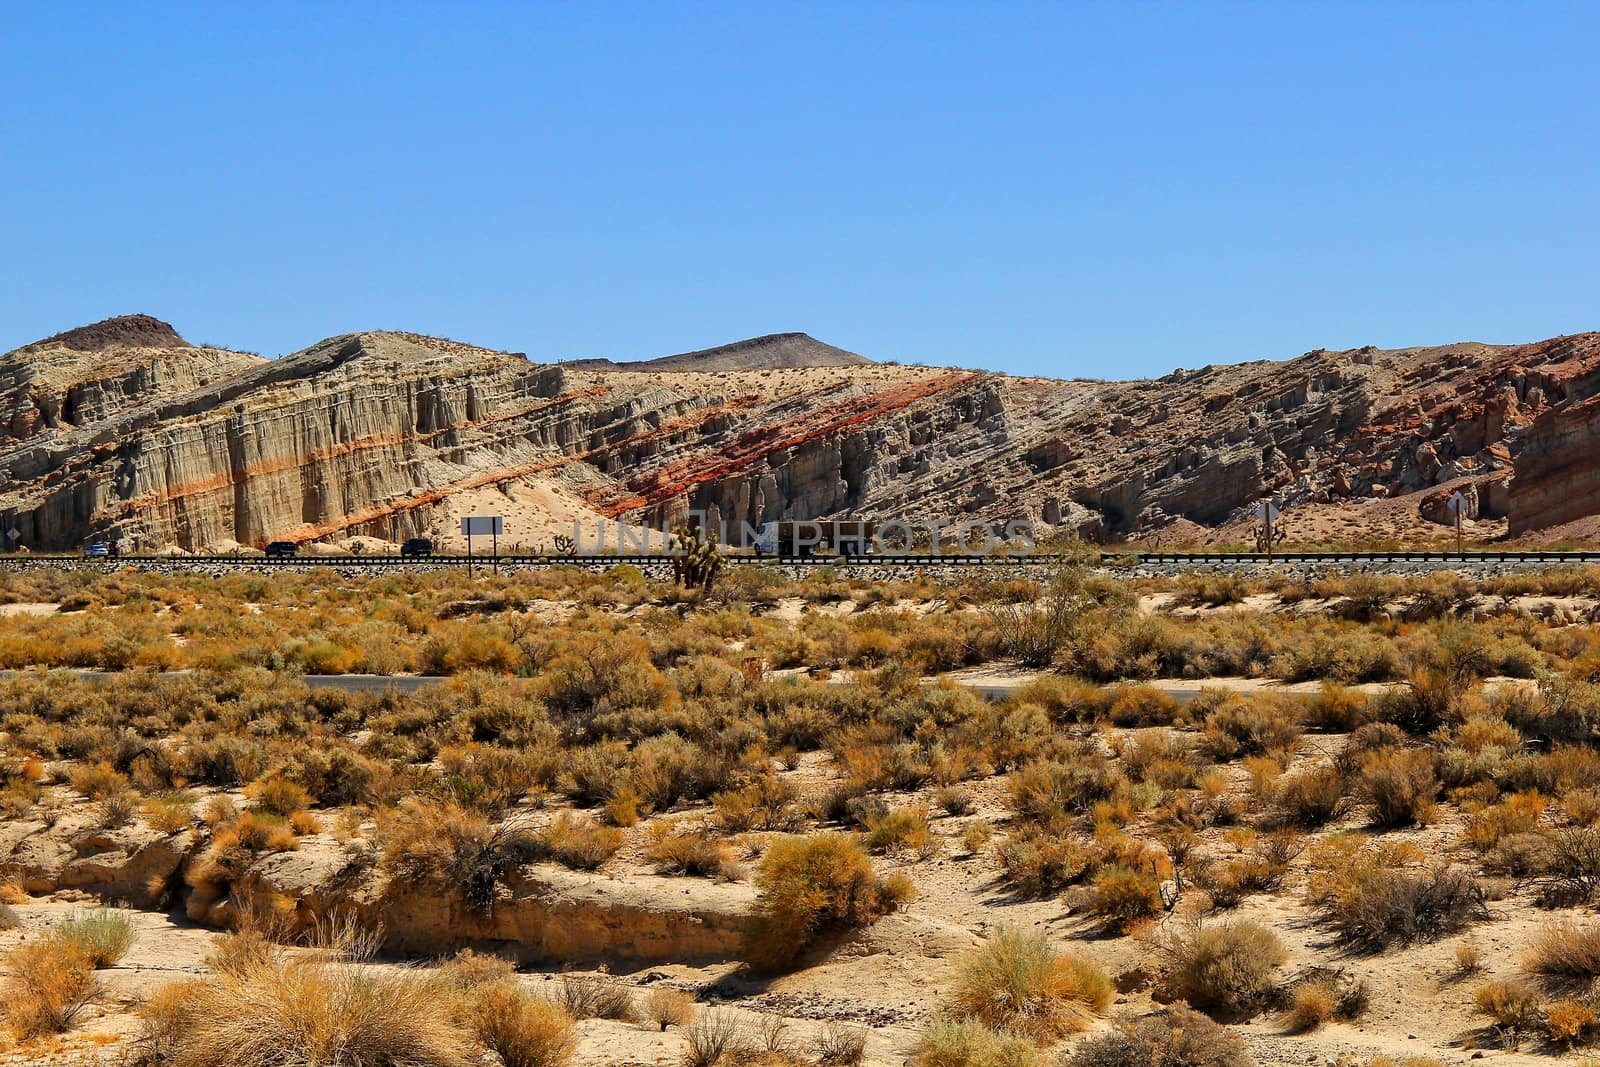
{"x": 1101, "y": 190}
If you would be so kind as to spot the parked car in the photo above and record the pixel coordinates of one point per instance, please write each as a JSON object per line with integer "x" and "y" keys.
{"x": 417, "y": 546}
{"x": 280, "y": 549}
{"x": 97, "y": 550}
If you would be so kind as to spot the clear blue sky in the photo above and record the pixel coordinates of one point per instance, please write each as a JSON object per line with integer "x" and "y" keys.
{"x": 1103, "y": 189}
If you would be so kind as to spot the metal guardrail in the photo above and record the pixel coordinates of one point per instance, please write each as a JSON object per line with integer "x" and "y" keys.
{"x": 1110, "y": 558}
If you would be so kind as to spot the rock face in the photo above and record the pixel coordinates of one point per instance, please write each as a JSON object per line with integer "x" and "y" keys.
{"x": 1558, "y": 467}
{"x": 91, "y": 374}
{"x": 375, "y": 434}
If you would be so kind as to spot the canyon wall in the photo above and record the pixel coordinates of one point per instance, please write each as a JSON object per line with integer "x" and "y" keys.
{"x": 136, "y": 435}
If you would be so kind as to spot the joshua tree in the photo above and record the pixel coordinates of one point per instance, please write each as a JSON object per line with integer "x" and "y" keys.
{"x": 696, "y": 558}
{"x": 1278, "y": 534}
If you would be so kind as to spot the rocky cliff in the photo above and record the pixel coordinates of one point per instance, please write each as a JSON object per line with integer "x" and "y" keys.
{"x": 384, "y": 434}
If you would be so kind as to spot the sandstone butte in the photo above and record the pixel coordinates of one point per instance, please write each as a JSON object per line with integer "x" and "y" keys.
{"x": 123, "y": 429}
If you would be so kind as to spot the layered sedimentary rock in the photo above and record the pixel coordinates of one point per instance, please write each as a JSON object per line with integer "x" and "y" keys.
{"x": 90, "y": 374}
{"x": 376, "y": 434}
{"x": 1558, "y": 466}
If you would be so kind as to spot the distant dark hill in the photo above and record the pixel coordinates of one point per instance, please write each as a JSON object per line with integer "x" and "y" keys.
{"x": 133, "y": 331}
{"x": 775, "y": 351}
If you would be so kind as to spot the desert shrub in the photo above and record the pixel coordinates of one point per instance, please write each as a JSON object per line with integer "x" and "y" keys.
{"x": 1122, "y": 896}
{"x": 1399, "y": 787}
{"x": 692, "y": 851}
{"x": 900, "y": 829}
{"x": 1517, "y": 814}
{"x": 1336, "y": 709}
{"x": 520, "y": 1028}
{"x": 764, "y": 803}
{"x": 665, "y": 1006}
{"x": 953, "y": 799}
{"x": 976, "y": 836}
{"x": 1309, "y": 798}
{"x": 1243, "y": 726}
{"x": 1016, "y": 981}
{"x": 1468, "y": 957}
{"x": 278, "y": 795}
{"x": 1570, "y": 866}
{"x": 1177, "y": 1037}
{"x": 1260, "y": 870}
{"x": 1140, "y": 705}
{"x": 1523, "y": 855}
{"x": 1226, "y": 969}
{"x": 163, "y": 1019}
{"x": 317, "y": 1008}
{"x": 1037, "y": 622}
{"x": 1050, "y": 793}
{"x": 449, "y": 846}
{"x": 947, "y": 1043}
{"x": 169, "y": 814}
{"x": 578, "y": 842}
{"x": 1570, "y": 1022}
{"x": 715, "y": 1038}
{"x": 1513, "y": 1005}
{"x": 809, "y": 885}
{"x": 595, "y": 997}
{"x": 1310, "y": 1005}
{"x": 841, "y": 1046}
{"x": 103, "y": 937}
{"x": 1372, "y": 901}
{"x": 1211, "y": 588}
{"x": 1338, "y": 654}
{"x": 1565, "y": 951}
{"x": 1423, "y": 702}
{"x": 45, "y": 984}
{"x": 1036, "y": 863}
{"x": 1323, "y": 993}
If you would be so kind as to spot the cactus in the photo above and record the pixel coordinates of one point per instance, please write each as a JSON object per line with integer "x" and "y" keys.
{"x": 564, "y": 544}
{"x": 696, "y": 558}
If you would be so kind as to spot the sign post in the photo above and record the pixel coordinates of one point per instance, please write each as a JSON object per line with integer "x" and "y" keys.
{"x": 1458, "y": 507}
{"x": 1268, "y": 513}
{"x": 493, "y": 525}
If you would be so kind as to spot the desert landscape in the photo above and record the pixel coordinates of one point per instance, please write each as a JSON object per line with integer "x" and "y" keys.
{"x": 1052, "y": 815}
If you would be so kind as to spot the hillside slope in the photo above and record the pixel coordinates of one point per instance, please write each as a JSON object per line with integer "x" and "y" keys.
{"x": 775, "y": 351}
{"x": 390, "y": 435}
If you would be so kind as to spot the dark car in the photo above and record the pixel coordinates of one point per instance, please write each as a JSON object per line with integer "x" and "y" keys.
{"x": 98, "y": 550}
{"x": 279, "y": 549}
{"x": 417, "y": 546}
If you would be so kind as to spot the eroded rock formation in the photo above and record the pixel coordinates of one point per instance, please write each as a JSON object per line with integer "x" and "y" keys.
{"x": 156, "y": 442}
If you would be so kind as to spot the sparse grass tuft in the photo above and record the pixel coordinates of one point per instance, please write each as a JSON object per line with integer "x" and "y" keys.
{"x": 1018, "y": 982}
{"x": 103, "y": 937}
{"x": 1565, "y": 951}
{"x": 971, "y": 1044}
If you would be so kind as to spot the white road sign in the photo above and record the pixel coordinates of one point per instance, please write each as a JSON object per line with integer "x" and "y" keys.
{"x": 1267, "y": 511}
{"x": 13, "y": 534}
{"x": 1457, "y": 504}
{"x": 483, "y": 526}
